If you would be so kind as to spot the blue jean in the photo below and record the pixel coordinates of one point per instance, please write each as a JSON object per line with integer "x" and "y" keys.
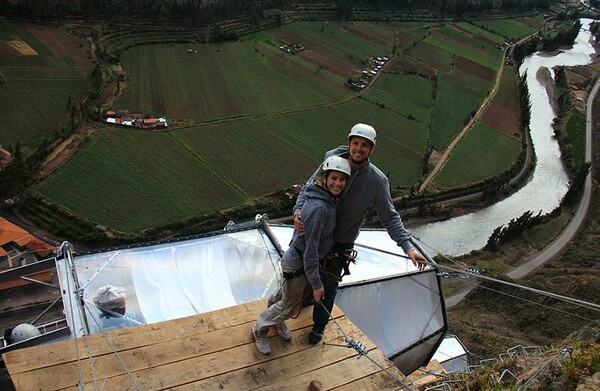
{"x": 320, "y": 316}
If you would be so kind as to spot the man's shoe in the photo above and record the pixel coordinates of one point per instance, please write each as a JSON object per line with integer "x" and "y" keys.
{"x": 316, "y": 334}
{"x": 261, "y": 340}
{"x": 283, "y": 331}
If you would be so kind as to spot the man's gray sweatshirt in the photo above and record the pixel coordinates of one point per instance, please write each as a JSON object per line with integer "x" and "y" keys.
{"x": 367, "y": 186}
{"x": 307, "y": 248}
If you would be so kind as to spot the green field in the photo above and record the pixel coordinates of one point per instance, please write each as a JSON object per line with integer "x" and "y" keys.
{"x": 508, "y": 91}
{"x": 480, "y": 32}
{"x": 260, "y": 119}
{"x": 478, "y": 156}
{"x": 454, "y": 104}
{"x": 235, "y": 80}
{"x": 131, "y": 180}
{"x": 509, "y": 28}
{"x": 337, "y": 41}
{"x": 35, "y": 89}
{"x": 11, "y": 31}
{"x": 263, "y": 155}
{"x": 464, "y": 46}
{"x": 433, "y": 56}
{"x": 408, "y": 95}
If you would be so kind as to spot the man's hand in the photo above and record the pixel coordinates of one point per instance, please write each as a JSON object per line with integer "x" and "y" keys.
{"x": 417, "y": 258}
{"x": 298, "y": 224}
{"x": 318, "y": 294}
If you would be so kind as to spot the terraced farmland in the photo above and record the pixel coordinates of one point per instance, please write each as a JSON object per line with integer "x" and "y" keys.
{"x": 486, "y": 147}
{"x": 123, "y": 179}
{"x": 41, "y": 69}
{"x": 260, "y": 119}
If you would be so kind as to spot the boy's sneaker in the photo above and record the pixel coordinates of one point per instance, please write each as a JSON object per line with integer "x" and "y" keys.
{"x": 261, "y": 340}
{"x": 316, "y": 334}
{"x": 283, "y": 331}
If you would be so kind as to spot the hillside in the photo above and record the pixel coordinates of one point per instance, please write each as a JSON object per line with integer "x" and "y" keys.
{"x": 494, "y": 318}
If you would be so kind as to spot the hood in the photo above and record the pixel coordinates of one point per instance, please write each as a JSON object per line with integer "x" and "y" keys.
{"x": 315, "y": 191}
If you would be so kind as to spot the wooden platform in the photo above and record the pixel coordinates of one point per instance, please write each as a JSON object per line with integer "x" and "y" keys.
{"x": 212, "y": 351}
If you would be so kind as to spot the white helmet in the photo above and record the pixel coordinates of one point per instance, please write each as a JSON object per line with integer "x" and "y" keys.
{"x": 337, "y": 163}
{"x": 365, "y": 131}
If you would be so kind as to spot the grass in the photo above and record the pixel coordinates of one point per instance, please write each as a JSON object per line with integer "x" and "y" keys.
{"x": 478, "y": 156}
{"x": 470, "y": 81}
{"x": 36, "y": 89}
{"x": 480, "y": 32}
{"x": 31, "y": 109}
{"x": 469, "y": 48}
{"x": 507, "y": 94}
{"x": 12, "y": 31}
{"x": 261, "y": 120}
{"x": 337, "y": 40}
{"x": 129, "y": 189}
{"x": 433, "y": 56}
{"x": 234, "y": 80}
{"x": 507, "y": 28}
{"x": 454, "y": 103}
{"x": 576, "y": 131}
{"x": 408, "y": 95}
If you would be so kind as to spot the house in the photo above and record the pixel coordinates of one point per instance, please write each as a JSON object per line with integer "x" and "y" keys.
{"x": 121, "y": 76}
{"x": 149, "y": 122}
{"x": 18, "y": 248}
{"x": 16, "y": 241}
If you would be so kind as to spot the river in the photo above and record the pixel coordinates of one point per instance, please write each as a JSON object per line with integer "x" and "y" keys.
{"x": 462, "y": 234}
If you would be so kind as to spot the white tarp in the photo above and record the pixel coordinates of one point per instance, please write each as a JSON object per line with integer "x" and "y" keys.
{"x": 397, "y": 306}
{"x": 172, "y": 280}
{"x": 452, "y": 355}
{"x": 389, "y": 299}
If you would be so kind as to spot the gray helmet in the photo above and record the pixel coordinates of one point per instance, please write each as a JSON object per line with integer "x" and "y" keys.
{"x": 365, "y": 131}
{"x": 337, "y": 163}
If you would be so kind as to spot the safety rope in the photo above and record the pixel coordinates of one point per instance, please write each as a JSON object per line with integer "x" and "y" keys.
{"x": 69, "y": 268}
{"x": 533, "y": 302}
{"x": 80, "y": 384}
{"x": 582, "y": 303}
{"x": 77, "y": 355}
{"x": 362, "y": 351}
{"x": 570, "y": 300}
{"x": 114, "y": 350}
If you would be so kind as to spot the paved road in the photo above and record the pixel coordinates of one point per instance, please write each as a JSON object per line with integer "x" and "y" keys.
{"x": 555, "y": 247}
{"x": 538, "y": 259}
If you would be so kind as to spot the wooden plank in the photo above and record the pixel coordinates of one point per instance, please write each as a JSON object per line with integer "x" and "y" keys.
{"x": 26, "y": 360}
{"x": 132, "y": 337}
{"x": 107, "y": 366}
{"x": 432, "y": 373}
{"x": 260, "y": 373}
{"x": 213, "y": 365}
{"x": 346, "y": 372}
{"x": 376, "y": 381}
{"x": 191, "y": 343}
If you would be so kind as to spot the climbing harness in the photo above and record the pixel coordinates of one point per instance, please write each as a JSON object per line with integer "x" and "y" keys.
{"x": 336, "y": 264}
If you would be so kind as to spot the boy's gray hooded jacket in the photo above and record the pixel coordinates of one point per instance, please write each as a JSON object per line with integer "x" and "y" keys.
{"x": 307, "y": 248}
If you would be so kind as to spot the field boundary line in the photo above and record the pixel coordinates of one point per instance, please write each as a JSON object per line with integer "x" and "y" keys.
{"x": 484, "y": 105}
{"x": 205, "y": 163}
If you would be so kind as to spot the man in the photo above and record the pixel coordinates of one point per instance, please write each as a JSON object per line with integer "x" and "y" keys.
{"x": 367, "y": 186}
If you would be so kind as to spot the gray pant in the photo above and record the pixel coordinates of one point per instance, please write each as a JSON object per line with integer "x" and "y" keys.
{"x": 282, "y": 305}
